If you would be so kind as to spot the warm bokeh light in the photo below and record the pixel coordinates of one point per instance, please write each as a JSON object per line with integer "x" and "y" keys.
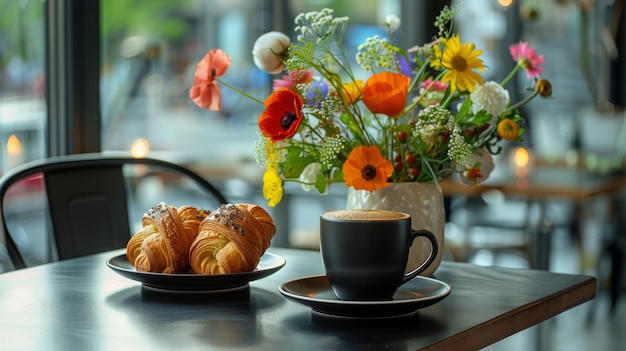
{"x": 505, "y": 3}
{"x": 521, "y": 162}
{"x": 14, "y": 146}
{"x": 140, "y": 148}
{"x": 521, "y": 157}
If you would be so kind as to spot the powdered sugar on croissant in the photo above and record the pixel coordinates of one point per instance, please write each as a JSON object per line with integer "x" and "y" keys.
{"x": 162, "y": 245}
{"x": 231, "y": 239}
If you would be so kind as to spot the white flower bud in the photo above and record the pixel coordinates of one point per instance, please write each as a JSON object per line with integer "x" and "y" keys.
{"x": 309, "y": 175}
{"x": 483, "y": 158}
{"x": 266, "y": 51}
{"x": 392, "y": 21}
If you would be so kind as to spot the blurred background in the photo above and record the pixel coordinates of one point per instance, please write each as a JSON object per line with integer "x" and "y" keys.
{"x": 113, "y": 76}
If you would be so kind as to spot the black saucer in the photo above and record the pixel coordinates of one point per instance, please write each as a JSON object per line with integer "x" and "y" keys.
{"x": 316, "y": 293}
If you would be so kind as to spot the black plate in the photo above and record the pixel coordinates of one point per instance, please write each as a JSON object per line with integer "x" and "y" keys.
{"x": 188, "y": 283}
{"x": 315, "y": 292}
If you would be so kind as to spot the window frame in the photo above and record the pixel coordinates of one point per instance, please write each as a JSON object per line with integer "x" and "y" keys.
{"x": 72, "y": 76}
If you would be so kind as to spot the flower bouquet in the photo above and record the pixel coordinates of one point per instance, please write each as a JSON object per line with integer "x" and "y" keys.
{"x": 416, "y": 115}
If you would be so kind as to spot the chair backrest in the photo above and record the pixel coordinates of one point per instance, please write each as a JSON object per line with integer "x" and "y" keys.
{"x": 87, "y": 200}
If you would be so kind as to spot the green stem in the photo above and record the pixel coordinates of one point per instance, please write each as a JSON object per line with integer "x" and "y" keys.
{"x": 524, "y": 101}
{"x": 239, "y": 91}
{"x": 511, "y": 75}
{"x": 445, "y": 103}
{"x": 585, "y": 53}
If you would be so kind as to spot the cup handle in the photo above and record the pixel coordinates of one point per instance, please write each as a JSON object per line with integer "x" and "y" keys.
{"x": 433, "y": 253}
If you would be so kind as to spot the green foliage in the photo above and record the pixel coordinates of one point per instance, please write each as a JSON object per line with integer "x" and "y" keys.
{"x": 22, "y": 30}
{"x": 295, "y": 162}
{"x": 154, "y": 18}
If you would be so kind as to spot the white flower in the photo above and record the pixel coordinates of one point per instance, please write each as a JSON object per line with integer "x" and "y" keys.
{"x": 308, "y": 177}
{"x": 266, "y": 51}
{"x": 482, "y": 159}
{"x": 492, "y": 98}
{"x": 392, "y": 21}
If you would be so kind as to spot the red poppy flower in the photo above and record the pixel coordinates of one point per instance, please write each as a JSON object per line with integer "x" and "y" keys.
{"x": 282, "y": 115}
{"x": 366, "y": 169}
{"x": 386, "y": 93}
{"x": 204, "y": 92}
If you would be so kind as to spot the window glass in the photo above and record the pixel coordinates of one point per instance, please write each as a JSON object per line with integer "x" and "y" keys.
{"x": 22, "y": 82}
{"x": 149, "y": 54}
{"x": 484, "y": 24}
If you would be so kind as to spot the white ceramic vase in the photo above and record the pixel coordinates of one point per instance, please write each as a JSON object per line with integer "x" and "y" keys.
{"x": 423, "y": 201}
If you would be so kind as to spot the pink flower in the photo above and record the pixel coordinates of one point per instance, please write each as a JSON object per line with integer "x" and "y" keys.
{"x": 431, "y": 92}
{"x": 525, "y": 56}
{"x": 294, "y": 78}
{"x": 434, "y": 85}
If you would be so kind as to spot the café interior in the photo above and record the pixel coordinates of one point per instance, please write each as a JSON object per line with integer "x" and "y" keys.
{"x": 112, "y": 77}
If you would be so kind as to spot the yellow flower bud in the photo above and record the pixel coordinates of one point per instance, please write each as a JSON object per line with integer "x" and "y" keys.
{"x": 508, "y": 129}
{"x": 543, "y": 87}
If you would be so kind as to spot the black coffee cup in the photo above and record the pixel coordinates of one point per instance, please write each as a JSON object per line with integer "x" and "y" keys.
{"x": 365, "y": 252}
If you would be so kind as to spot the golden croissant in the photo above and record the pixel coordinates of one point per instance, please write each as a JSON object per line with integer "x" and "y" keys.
{"x": 162, "y": 245}
{"x": 231, "y": 239}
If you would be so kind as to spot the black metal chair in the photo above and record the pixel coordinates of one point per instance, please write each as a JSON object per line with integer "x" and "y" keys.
{"x": 89, "y": 198}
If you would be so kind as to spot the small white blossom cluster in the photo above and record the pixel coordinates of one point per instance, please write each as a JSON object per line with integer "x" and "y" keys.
{"x": 318, "y": 25}
{"x": 331, "y": 104}
{"x": 424, "y": 50}
{"x": 434, "y": 120}
{"x": 431, "y": 121}
{"x": 376, "y": 51}
{"x": 330, "y": 148}
{"x": 434, "y": 114}
{"x": 300, "y": 57}
{"x": 459, "y": 151}
{"x": 264, "y": 150}
{"x": 447, "y": 15}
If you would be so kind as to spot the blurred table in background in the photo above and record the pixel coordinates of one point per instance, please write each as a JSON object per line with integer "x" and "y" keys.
{"x": 546, "y": 181}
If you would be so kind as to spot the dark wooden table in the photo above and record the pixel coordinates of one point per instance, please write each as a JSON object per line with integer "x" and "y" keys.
{"x": 81, "y": 304}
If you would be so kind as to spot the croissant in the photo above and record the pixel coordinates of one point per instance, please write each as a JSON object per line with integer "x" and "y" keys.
{"x": 231, "y": 239}
{"x": 162, "y": 245}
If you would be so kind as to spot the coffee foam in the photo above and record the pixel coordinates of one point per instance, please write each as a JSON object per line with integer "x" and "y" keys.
{"x": 365, "y": 215}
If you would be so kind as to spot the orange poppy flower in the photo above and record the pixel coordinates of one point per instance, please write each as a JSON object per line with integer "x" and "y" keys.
{"x": 386, "y": 93}
{"x": 366, "y": 169}
{"x": 282, "y": 115}
{"x": 204, "y": 92}
{"x": 508, "y": 129}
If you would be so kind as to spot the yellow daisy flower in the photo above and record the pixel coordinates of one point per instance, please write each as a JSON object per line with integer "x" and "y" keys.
{"x": 459, "y": 61}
